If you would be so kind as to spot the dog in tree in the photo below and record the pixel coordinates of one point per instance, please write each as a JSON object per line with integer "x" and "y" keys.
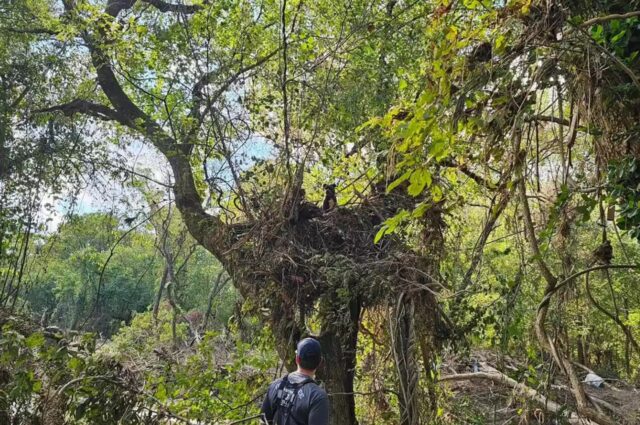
{"x": 330, "y": 200}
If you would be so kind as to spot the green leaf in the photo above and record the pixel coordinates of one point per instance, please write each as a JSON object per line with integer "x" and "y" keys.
{"x": 436, "y": 193}
{"x": 161, "y": 393}
{"x": 452, "y": 34}
{"x": 397, "y": 182}
{"x": 35, "y": 340}
{"x": 419, "y": 179}
{"x": 618, "y": 36}
{"x": 419, "y": 211}
{"x": 500, "y": 42}
{"x": 471, "y": 4}
{"x": 75, "y": 364}
{"x": 451, "y": 174}
{"x": 596, "y": 33}
{"x": 383, "y": 231}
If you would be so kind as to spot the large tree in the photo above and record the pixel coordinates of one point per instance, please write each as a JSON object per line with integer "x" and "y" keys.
{"x": 210, "y": 85}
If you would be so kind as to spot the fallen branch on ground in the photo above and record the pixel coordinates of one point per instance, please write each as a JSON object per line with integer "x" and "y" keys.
{"x": 523, "y": 390}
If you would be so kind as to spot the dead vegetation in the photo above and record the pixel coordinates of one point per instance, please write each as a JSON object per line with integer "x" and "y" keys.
{"x": 494, "y": 388}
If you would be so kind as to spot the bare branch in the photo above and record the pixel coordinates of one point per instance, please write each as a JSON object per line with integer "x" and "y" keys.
{"x": 601, "y": 19}
{"x": 171, "y": 7}
{"x": 521, "y": 389}
{"x": 531, "y": 236}
{"x": 36, "y": 31}
{"x": 208, "y": 78}
{"x": 590, "y": 269}
{"x": 464, "y": 169}
{"x": 547, "y": 118}
{"x": 614, "y": 317}
{"x": 499, "y": 203}
{"x": 80, "y": 106}
{"x": 114, "y": 7}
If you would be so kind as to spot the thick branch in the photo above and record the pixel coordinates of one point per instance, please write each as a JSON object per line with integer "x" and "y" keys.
{"x": 132, "y": 116}
{"x": 464, "y": 169}
{"x": 208, "y": 230}
{"x": 86, "y": 107}
{"x": 531, "y": 236}
{"x": 548, "y": 118}
{"x": 601, "y": 19}
{"x": 521, "y": 389}
{"x": 114, "y": 7}
{"x": 171, "y": 7}
{"x": 581, "y": 272}
{"x": 35, "y": 31}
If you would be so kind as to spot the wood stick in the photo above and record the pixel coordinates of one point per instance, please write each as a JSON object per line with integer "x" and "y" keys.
{"x": 523, "y": 390}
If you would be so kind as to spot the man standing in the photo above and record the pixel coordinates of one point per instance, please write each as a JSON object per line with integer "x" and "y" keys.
{"x": 297, "y": 399}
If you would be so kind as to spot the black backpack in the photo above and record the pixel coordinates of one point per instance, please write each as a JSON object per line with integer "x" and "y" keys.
{"x": 285, "y": 400}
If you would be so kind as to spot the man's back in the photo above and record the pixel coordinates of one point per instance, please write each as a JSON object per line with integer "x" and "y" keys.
{"x": 298, "y": 401}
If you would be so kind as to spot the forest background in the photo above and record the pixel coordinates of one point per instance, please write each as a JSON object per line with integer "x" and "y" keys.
{"x": 167, "y": 231}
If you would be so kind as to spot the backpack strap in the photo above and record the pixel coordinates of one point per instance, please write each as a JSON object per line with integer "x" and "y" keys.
{"x": 289, "y": 414}
{"x": 285, "y": 382}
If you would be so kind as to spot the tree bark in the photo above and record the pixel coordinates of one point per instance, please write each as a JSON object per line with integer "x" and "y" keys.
{"x": 403, "y": 337}
{"x": 430, "y": 326}
{"x": 215, "y": 291}
{"x": 156, "y": 303}
{"x": 339, "y": 343}
{"x": 5, "y": 408}
{"x": 338, "y": 339}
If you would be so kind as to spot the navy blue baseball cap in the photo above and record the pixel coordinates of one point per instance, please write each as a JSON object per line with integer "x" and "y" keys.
{"x": 309, "y": 350}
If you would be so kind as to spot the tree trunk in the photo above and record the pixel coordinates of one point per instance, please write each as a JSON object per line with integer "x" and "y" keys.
{"x": 582, "y": 359}
{"x": 431, "y": 324}
{"x": 156, "y": 303}
{"x": 338, "y": 337}
{"x": 54, "y": 408}
{"x": 339, "y": 343}
{"x": 214, "y": 292}
{"x": 5, "y": 408}
{"x": 403, "y": 337}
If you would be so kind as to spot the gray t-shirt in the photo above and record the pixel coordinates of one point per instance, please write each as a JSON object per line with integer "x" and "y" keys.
{"x": 309, "y": 404}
